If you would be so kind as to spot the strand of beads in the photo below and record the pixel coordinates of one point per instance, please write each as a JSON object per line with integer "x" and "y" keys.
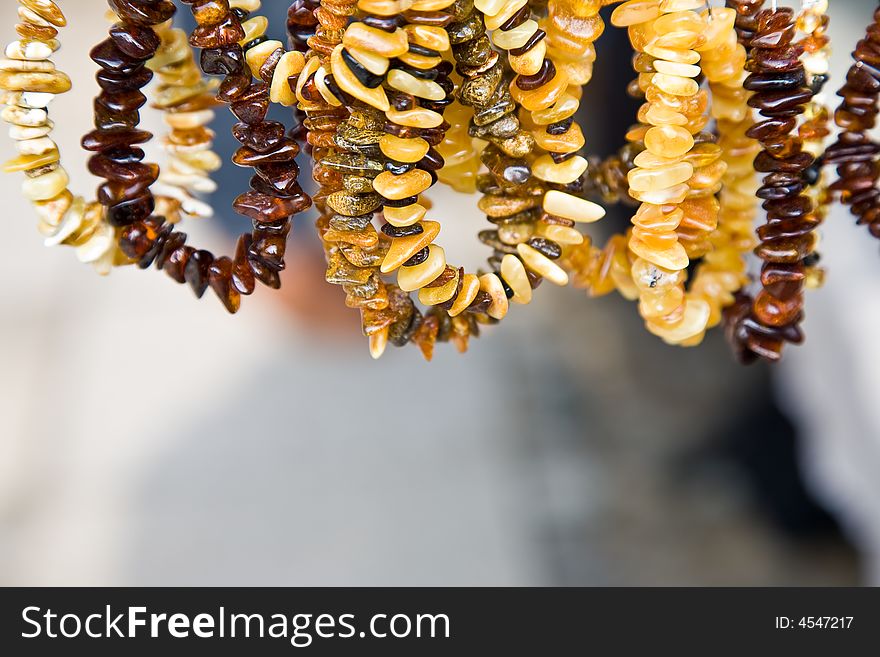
{"x": 351, "y": 245}
{"x": 275, "y": 194}
{"x": 814, "y": 129}
{"x": 668, "y": 38}
{"x": 187, "y": 101}
{"x": 723, "y": 270}
{"x": 761, "y": 328}
{"x": 533, "y": 217}
{"x": 31, "y": 81}
{"x": 401, "y": 146}
{"x": 855, "y": 151}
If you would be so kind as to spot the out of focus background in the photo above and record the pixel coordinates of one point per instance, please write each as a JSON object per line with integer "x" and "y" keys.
{"x": 149, "y": 439}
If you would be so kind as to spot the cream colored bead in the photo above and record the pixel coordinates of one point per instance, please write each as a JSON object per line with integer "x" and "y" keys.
{"x": 69, "y": 224}
{"x": 675, "y": 84}
{"x": 431, "y": 5}
{"x": 643, "y": 180}
{"x": 324, "y": 90}
{"x": 514, "y": 274}
{"x": 470, "y": 287}
{"x": 97, "y": 246}
{"x": 309, "y": 69}
{"x": 409, "y": 84}
{"x": 672, "y": 195}
{"x": 36, "y": 146}
{"x": 410, "y": 279}
{"x": 34, "y": 50}
{"x": 492, "y": 285}
{"x": 378, "y": 344}
{"x": 21, "y": 133}
{"x": 375, "y": 64}
{"x": 249, "y": 6}
{"x": 25, "y": 117}
{"x": 47, "y": 186}
{"x": 570, "y": 207}
{"x": 387, "y": 44}
{"x": 542, "y": 265}
{"x": 25, "y": 65}
{"x": 188, "y": 120}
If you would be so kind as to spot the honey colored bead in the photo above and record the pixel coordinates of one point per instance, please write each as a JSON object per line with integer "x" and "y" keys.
{"x": 254, "y": 28}
{"x": 515, "y": 38}
{"x": 380, "y": 42}
{"x": 529, "y": 63}
{"x": 507, "y": 11}
{"x": 407, "y": 184}
{"x": 375, "y": 64}
{"x": 490, "y": 7}
{"x": 405, "y": 216}
{"x": 470, "y": 287}
{"x": 675, "y": 85}
{"x": 542, "y": 265}
{"x": 669, "y": 141}
{"x": 409, "y": 150}
{"x": 671, "y": 196}
{"x": 568, "y": 142}
{"x": 378, "y": 343}
{"x": 349, "y": 83}
{"x": 647, "y": 180}
{"x": 635, "y": 12}
{"x": 647, "y": 160}
{"x": 660, "y": 115}
{"x": 559, "y": 234}
{"x": 418, "y": 117}
{"x": 676, "y": 68}
{"x": 542, "y": 97}
{"x": 47, "y": 186}
{"x": 570, "y": 207}
{"x": 55, "y": 82}
{"x": 410, "y": 279}
{"x": 47, "y": 10}
{"x": 564, "y": 108}
{"x": 431, "y": 5}
{"x": 280, "y": 92}
{"x": 514, "y": 274}
{"x": 384, "y": 7}
{"x": 258, "y": 55}
{"x": 409, "y": 84}
{"x": 492, "y": 285}
{"x": 321, "y": 83}
{"x": 434, "y": 296}
{"x": 696, "y": 316}
{"x": 421, "y": 62}
{"x": 428, "y": 36}
{"x": 29, "y": 162}
{"x": 673, "y": 258}
{"x": 249, "y": 6}
{"x": 560, "y": 173}
{"x": 404, "y": 248}
{"x": 69, "y": 224}
{"x": 670, "y": 6}
{"x": 672, "y": 55}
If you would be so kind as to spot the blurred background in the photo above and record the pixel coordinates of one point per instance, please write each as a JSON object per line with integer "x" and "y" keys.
{"x": 149, "y": 439}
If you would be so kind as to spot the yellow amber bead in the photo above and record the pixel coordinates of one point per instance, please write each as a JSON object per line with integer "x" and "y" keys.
{"x": 491, "y": 284}
{"x": 398, "y": 187}
{"x": 514, "y": 274}
{"x": 470, "y": 287}
{"x": 409, "y": 150}
{"x": 668, "y": 141}
{"x": 405, "y": 216}
{"x": 380, "y": 42}
{"x": 410, "y": 279}
{"x": 648, "y": 180}
{"x": 404, "y": 248}
{"x": 542, "y": 265}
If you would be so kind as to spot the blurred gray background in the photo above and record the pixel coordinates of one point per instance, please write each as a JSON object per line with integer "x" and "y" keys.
{"x": 149, "y": 439}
